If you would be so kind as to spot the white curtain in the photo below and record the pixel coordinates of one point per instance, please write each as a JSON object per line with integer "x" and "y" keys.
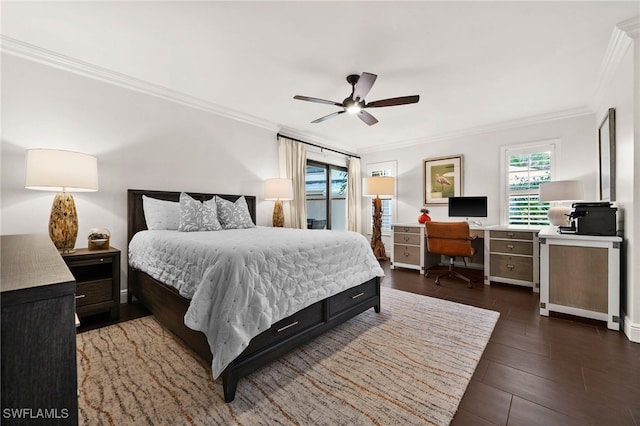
{"x": 293, "y": 165}
{"x": 354, "y": 196}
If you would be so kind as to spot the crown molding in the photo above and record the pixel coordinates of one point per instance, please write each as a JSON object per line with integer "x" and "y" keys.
{"x": 488, "y": 128}
{"x": 631, "y": 27}
{"x": 34, "y": 53}
{"x": 622, "y": 38}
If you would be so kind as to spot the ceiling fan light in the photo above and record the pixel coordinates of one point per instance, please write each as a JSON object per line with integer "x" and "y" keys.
{"x": 354, "y": 109}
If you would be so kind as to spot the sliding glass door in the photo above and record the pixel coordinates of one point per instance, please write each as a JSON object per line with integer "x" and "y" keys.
{"x": 326, "y": 188}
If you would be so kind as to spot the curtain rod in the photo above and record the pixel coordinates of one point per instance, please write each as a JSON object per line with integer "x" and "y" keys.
{"x": 317, "y": 146}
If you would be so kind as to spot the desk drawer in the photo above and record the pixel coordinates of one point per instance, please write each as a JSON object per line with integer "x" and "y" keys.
{"x": 512, "y": 235}
{"x": 91, "y": 292}
{"x": 512, "y": 267}
{"x": 408, "y": 229}
{"x": 411, "y": 239}
{"x": 511, "y": 247}
{"x": 350, "y": 298}
{"x": 406, "y": 254}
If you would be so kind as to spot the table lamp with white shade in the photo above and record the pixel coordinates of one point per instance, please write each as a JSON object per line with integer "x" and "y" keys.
{"x": 560, "y": 192}
{"x": 278, "y": 189}
{"x": 64, "y": 172}
{"x": 376, "y": 186}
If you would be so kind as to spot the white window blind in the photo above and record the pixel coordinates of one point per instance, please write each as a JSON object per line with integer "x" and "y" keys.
{"x": 526, "y": 169}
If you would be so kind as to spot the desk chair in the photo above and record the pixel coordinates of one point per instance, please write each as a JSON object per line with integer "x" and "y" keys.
{"x": 450, "y": 239}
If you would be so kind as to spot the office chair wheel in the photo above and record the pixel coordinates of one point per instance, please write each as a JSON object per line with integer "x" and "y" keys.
{"x": 437, "y": 281}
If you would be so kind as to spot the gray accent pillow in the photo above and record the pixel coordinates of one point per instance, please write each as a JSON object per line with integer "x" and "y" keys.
{"x": 234, "y": 215}
{"x": 198, "y": 216}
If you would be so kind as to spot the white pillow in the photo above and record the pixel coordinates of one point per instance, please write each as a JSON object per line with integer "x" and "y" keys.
{"x": 234, "y": 215}
{"x": 161, "y": 214}
{"x": 198, "y": 216}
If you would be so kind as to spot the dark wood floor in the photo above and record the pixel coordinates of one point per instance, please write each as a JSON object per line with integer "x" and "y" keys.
{"x": 539, "y": 370}
{"x": 535, "y": 370}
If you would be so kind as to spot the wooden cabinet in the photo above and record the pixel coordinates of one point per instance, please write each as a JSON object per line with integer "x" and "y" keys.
{"x": 514, "y": 256}
{"x": 408, "y": 246}
{"x": 97, "y": 274}
{"x": 580, "y": 275}
{"x": 39, "y": 379}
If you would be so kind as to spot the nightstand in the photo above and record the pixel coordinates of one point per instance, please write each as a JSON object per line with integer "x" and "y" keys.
{"x": 97, "y": 274}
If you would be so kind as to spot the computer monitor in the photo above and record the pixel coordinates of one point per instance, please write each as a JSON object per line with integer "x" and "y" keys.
{"x": 468, "y": 207}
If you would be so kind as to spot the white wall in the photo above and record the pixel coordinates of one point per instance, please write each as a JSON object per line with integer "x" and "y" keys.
{"x": 619, "y": 95}
{"x": 577, "y": 158}
{"x": 141, "y": 142}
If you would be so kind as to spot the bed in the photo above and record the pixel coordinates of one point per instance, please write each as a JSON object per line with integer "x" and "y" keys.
{"x": 170, "y": 307}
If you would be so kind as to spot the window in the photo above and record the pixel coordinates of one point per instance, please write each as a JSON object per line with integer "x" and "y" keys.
{"x": 526, "y": 168}
{"x": 388, "y": 204}
{"x": 326, "y": 193}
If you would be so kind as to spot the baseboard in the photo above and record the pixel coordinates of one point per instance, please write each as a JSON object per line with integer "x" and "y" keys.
{"x": 631, "y": 329}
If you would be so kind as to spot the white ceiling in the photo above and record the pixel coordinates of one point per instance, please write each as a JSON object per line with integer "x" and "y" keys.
{"x": 473, "y": 64}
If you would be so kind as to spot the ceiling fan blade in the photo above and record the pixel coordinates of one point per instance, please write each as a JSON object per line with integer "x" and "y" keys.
{"x": 364, "y": 84}
{"x": 367, "y": 118}
{"x": 318, "y": 100}
{"x": 326, "y": 117}
{"x": 402, "y": 100}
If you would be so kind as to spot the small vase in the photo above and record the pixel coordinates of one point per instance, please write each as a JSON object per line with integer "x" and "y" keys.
{"x": 424, "y": 218}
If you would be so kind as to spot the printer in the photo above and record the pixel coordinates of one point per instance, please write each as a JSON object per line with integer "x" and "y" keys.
{"x": 593, "y": 218}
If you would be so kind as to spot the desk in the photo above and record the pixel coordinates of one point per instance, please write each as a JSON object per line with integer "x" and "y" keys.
{"x": 507, "y": 254}
{"x": 580, "y": 275}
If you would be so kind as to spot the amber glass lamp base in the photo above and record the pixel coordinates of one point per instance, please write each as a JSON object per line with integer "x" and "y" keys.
{"x": 63, "y": 222}
{"x": 278, "y": 215}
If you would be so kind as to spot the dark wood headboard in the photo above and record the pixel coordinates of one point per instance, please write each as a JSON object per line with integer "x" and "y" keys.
{"x": 135, "y": 212}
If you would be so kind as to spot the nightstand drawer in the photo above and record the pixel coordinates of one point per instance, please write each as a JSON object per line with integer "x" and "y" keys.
{"x": 97, "y": 274}
{"x": 91, "y": 292}
{"x": 406, "y": 254}
{"x": 512, "y": 267}
{"x": 411, "y": 239}
{"x": 511, "y": 247}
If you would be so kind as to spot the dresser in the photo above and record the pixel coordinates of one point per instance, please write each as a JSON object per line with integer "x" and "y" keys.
{"x": 514, "y": 256}
{"x": 408, "y": 246}
{"x": 97, "y": 275}
{"x": 39, "y": 380}
{"x": 580, "y": 275}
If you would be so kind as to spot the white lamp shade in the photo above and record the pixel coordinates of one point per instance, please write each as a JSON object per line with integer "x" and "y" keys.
{"x": 278, "y": 189}
{"x": 58, "y": 170}
{"x": 379, "y": 186}
{"x": 561, "y": 190}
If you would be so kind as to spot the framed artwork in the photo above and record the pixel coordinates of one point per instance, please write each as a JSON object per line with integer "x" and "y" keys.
{"x": 442, "y": 178}
{"x": 607, "y": 157}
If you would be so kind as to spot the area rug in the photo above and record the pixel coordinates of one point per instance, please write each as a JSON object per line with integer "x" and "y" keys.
{"x": 408, "y": 364}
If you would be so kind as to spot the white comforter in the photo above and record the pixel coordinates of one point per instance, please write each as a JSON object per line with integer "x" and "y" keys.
{"x": 242, "y": 281}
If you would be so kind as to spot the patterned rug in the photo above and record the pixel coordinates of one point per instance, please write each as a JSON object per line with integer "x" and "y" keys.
{"x": 409, "y": 364}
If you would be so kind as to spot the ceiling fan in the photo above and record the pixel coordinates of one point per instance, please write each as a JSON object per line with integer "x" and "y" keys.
{"x": 355, "y": 103}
